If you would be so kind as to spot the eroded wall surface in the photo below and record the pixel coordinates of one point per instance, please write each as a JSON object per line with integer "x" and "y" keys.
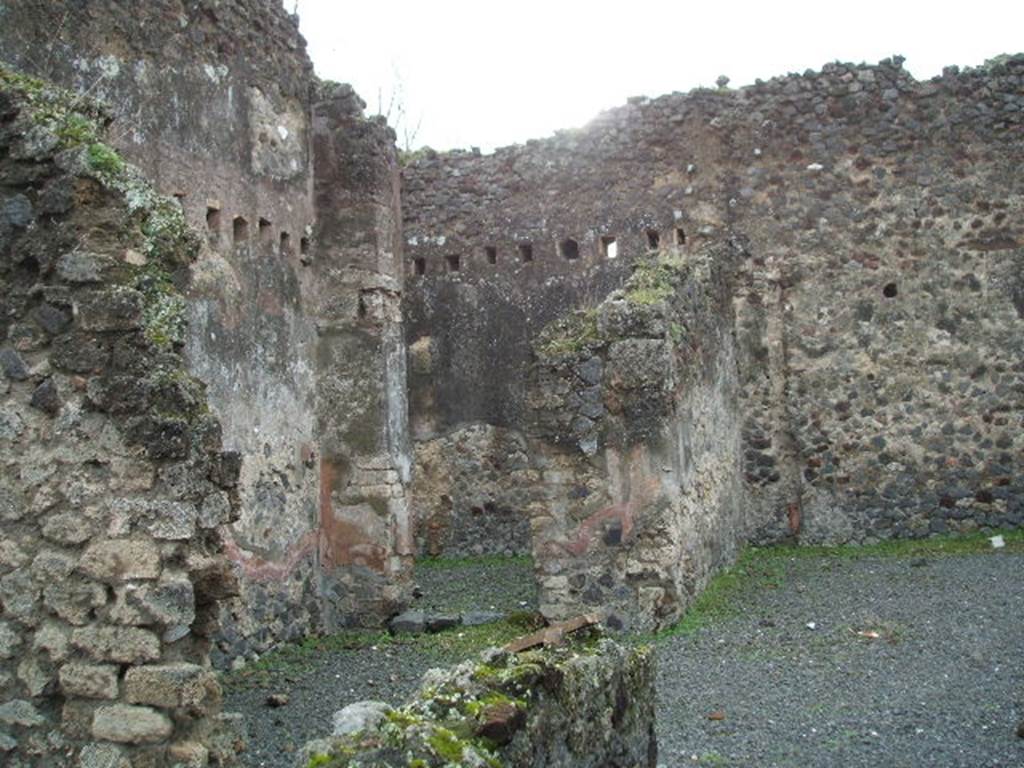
{"x": 114, "y": 485}
{"x": 365, "y": 544}
{"x": 878, "y": 318}
{"x": 214, "y": 101}
{"x": 636, "y": 435}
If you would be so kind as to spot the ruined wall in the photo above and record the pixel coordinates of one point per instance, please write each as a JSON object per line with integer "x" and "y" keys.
{"x": 365, "y": 544}
{"x": 586, "y": 705}
{"x": 212, "y": 101}
{"x": 469, "y": 326}
{"x": 878, "y": 300}
{"x": 113, "y": 481}
{"x": 636, "y": 434}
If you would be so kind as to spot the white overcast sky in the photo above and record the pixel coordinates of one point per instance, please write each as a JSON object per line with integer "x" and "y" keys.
{"x": 489, "y": 74}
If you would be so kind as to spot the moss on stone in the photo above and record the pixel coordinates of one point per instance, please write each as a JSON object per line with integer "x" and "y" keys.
{"x": 446, "y": 745}
{"x": 569, "y": 335}
{"x": 105, "y": 160}
{"x": 654, "y": 280}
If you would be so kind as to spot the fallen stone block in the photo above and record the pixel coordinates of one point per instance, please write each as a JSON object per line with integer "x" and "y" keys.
{"x": 408, "y": 623}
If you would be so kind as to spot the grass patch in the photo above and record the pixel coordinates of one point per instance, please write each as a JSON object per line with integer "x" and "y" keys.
{"x": 569, "y": 335}
{"x": 765, "y": 568}
{"x": 289, "y": 662}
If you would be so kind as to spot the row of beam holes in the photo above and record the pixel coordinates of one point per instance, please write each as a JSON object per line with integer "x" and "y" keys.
{"x": 240, "y": 232}
{"x": 568, "y": 248}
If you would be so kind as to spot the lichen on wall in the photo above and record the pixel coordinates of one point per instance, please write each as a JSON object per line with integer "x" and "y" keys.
{"x": 636, "y": 436}
{"x": 114, "y": 482}
{"x": 584, "y": 705}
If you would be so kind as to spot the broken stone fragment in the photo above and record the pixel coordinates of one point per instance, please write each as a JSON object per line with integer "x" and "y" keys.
{"x": 500, "y": 722}
{"x": 276, "y": 700}
{"x": 440, "y": 623}
{"x": 13, "y": 366}
{"x": 130, "y": 725}
{"x": 359, "y": 716}
{"x": 46, "y": 398}
{"x": 408, "y": 623}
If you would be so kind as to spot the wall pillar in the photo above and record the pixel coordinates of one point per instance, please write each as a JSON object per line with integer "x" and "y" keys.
{"x": 364, "y": 547}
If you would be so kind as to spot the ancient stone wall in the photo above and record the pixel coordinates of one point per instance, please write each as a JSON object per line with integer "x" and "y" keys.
{"x": 365, "y": 543}
{"x": 212, "y": 101}
{"x": 215, "y": 102}
{"x": 636, "y": 437}
{"x": 586, "y": 705}
{"x": 113, "y": 482}
{"x": 878, "y": 299}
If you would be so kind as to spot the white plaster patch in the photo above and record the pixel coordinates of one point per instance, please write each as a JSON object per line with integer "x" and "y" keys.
{"x": 282, "y": 132}
{"x": 215, "y": 73}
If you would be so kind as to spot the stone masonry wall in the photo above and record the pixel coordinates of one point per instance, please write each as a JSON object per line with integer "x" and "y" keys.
{"x": 365, "y": 543}
{"x": 636, "y": 436}
{"x": 215, "y": 102}
{"x": 586, "y": 705}
{"x": 113, "y": 481}
{"x": 878, "y": 316}
{"x": 212, "y": 101}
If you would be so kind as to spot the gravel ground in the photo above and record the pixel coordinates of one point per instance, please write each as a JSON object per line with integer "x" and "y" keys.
{"x": 504, "y": 585}
{"x": 942, "y": 686}
{"x": 320, "y": 682}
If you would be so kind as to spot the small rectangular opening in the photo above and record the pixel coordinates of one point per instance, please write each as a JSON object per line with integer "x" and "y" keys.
{"x": 570, "y": 249}
{"x": 419, "y": 266}
{"x": 304, "y": 246}
{"x": 213, "y": 223}
{"x": 286, "y": 244}
{"x": 240, "y": 229}
{"x": 266, "y": 229}
{"x": 453, "y": 262}
{"x": 609, "y": 247}
{"x": 653, "y": 239}
{"x": 680, "y": 236}
{"x": 491, "y": 253}
{"x": 526, "y": 251}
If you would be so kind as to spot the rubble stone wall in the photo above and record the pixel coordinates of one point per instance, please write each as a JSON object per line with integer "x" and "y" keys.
{"x": 878, "y": 312}
{"x": 113, "y": 483}
{"x": 581, "y": 706}
{"x": 636, "y": 438}
{"x": 214, "y": 101}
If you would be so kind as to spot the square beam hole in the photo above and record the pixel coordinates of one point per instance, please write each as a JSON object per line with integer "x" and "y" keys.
{"x": 569, "y": 249}
{"x": 653, "y": 239}
{"x": 491, "y": 253}
{"x": 453, "y": 262}
{"x": 609, "y": 247}
{"x": 526, "y": 252}
{"x": 240, "y": 229}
